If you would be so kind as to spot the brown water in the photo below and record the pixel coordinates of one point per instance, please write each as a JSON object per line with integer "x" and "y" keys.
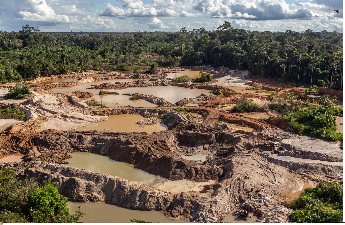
{"x": 104, "y": 213}
{"x": 123, "y": 123}
{"x": 102, "y": 164}
{"x": 190, "y": 73}
{"x": 171, "y": 94}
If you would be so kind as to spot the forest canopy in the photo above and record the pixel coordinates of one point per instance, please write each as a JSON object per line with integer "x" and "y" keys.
{"x": 308, "y": 58}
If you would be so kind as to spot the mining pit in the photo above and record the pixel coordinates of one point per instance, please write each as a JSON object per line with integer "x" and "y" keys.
{"x": 184, "y": 156}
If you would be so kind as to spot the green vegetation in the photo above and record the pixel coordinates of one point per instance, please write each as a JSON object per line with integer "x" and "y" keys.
{"x": 247, "y": 106}
{"x": 101, "y": 92}
{"x": 93, "y": 102}
{"x": 201, "y": 112}
{"x": 135, "y": 97}
{"x": 203, "y": 77}
{"x": 11, "y": 112}
{"x": 17, "y": 92}
{"x": 27, "y": 201}
{"x": 139, "y": 221}
{"x": 311, "y": 58}
{"x": 315, "y": 120}
{"x": 182, "y": 79}
{"x": 323, "y": 204}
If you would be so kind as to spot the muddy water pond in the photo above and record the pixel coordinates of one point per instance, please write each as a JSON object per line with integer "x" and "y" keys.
{"x": 171, "y": 94}
{"x": 123, "y": 123}
{"x": 105, "y": 213}
{"x": 102, "y": 164}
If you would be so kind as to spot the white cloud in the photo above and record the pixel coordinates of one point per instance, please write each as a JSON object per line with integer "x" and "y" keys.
{"x": 171, "y": 15}
{"x": 40, "y": 11}
{"x": 252, "y": 9}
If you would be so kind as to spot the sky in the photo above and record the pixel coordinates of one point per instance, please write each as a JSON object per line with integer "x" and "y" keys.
{"x": 170, "y": 15}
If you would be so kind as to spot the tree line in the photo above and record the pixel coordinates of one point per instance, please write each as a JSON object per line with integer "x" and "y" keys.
{"x": 308, "y": 58}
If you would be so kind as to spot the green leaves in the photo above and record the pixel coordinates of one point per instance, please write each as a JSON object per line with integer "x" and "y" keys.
{"x": 18, "y": 92}
{"x": 247, "y": 106}
{"x": 25, "y": 201}
{"x": 323, "y": 204}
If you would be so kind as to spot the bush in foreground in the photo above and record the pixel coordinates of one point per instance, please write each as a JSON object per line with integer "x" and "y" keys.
{"x": 27, "y": 201}
{"x": 323, "y": 204}
{"x": 18, "y": 92}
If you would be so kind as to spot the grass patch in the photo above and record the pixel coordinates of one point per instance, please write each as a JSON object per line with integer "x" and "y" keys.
{"x": 323, "y": 204}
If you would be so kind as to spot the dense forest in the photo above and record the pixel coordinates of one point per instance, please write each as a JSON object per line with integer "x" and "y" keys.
{"x": 310, "y": 58}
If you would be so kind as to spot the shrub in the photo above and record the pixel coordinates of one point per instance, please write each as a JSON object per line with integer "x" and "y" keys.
{"x": 203, "y": 77}
{"x": 26, "y": 201}
{"x": 247, "y": 106}
{"x": 135, "y": 97}
{"x": 11, "y": 112}
{"x": 182, "y": 79}
{"x": 18, "y": 92}
{"x": 323, "y": 204}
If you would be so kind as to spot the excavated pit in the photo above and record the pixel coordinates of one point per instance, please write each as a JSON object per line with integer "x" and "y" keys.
{"x": 254, "y": 169}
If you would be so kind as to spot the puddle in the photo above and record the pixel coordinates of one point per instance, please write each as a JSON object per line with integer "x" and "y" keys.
{"x": 190, "y": 73}
{"x": 11, "y": 158}
{"x": 102, "y": 164}
{"x": 290, "y": 196}
{"x": 339, "y": 123}
{"x": 232, "y": 219}
{"x": 105, "y": 213}
{"x": 123, "y": 123}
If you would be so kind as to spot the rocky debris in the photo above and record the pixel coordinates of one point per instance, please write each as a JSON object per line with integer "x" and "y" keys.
{"x": 136, "y": 83}
{"x": 195, "y": 100}
{"x": 152, "y": 99}
{"x": 277, "y": 214}
{"x": 311, "y": 148}
{"x": 60, "y": 111}
{"x": 148, "y": 121}
{"x": 81, "y": 94}
{"x": 83, "y": 186}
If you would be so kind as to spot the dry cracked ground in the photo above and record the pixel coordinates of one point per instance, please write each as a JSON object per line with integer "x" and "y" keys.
{"x": 252, "y": 168}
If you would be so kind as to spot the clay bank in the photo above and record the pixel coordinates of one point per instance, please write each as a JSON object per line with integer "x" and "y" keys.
{"x": 182, "y": 157}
